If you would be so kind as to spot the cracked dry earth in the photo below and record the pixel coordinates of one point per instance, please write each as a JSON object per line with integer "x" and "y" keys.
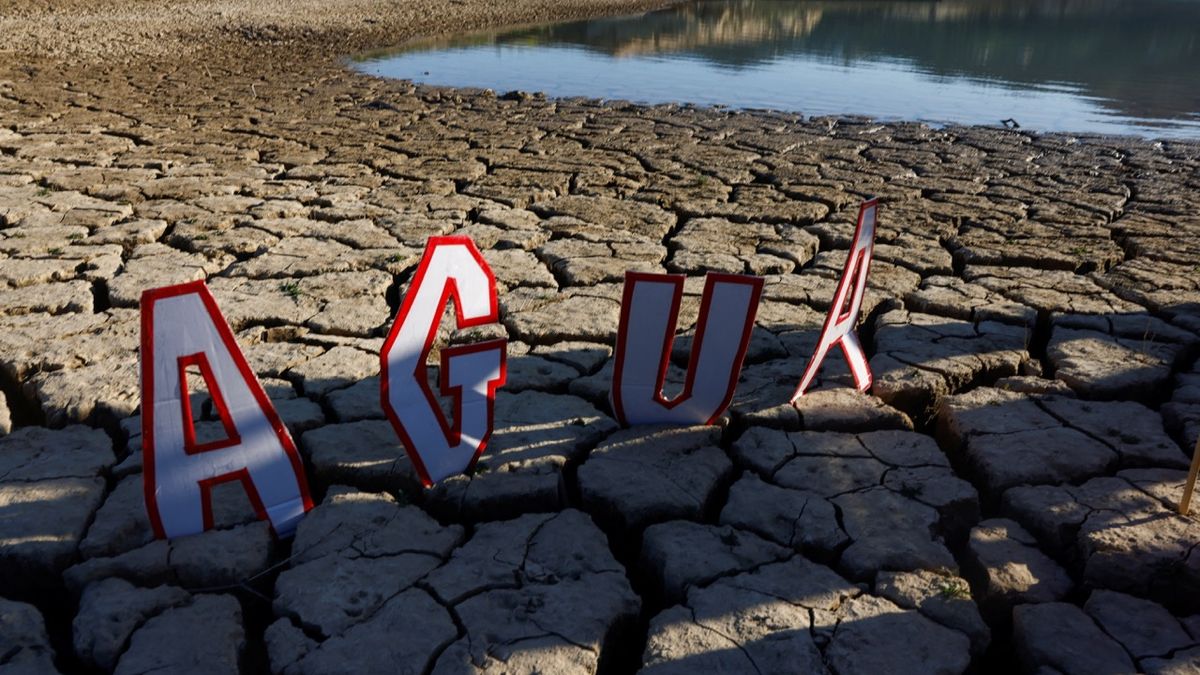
{"x": 1002, "y": 499}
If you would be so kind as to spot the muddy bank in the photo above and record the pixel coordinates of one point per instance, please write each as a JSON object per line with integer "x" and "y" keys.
{"x": 121, "y": 29}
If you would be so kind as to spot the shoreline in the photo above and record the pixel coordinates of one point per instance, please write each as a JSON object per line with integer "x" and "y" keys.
{"x": 230, "y": 31}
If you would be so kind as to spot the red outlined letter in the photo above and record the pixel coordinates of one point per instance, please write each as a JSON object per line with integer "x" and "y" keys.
{"x": 183, "y": 328}
{"x": 839, "y": 325}
{"x": 649, "y": 312}
{"x": 451, "y": 267}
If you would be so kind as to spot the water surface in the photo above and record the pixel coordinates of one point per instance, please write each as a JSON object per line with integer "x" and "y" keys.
{"x": 1103, "y": 66}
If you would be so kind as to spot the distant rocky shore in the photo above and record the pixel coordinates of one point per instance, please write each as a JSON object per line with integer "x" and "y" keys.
{"x": 1002, "y": 499}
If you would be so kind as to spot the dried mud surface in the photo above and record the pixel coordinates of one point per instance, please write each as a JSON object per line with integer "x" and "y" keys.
{"x": 1002, "y": 499}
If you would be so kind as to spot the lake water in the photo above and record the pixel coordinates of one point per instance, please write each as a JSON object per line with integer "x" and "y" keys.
{"x": 1106, "y": 66}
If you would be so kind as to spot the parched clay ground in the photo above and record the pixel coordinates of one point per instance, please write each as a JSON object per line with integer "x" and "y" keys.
{"x": 1002, "y": 500}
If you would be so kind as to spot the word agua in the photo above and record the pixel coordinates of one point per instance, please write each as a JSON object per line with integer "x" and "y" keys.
{"x": 182, "y": 328}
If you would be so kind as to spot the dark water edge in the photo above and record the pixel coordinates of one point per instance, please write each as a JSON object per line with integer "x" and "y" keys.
{"x": 1107, "y": 67}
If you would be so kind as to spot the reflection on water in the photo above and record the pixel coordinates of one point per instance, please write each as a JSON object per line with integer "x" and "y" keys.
{"x": 1103, "y": 66}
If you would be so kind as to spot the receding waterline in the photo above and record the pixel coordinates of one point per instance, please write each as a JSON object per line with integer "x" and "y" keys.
{"x": 1129, "y": 67}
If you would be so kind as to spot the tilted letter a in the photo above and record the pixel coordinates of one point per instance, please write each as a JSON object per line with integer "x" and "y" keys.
{"x": 839, "y": 324}
{"x": 182, "y": 328}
